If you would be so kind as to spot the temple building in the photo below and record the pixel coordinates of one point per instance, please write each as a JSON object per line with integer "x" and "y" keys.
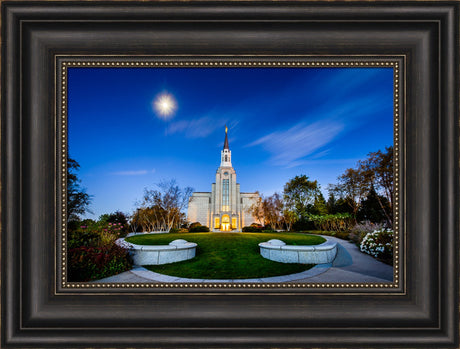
{"x": 225, "y": 208}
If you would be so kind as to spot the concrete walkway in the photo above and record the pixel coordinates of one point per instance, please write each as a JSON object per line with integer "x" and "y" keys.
{"x": 350, "y": 265}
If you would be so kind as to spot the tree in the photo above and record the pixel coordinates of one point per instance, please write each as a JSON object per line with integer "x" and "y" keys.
{"x": 331, "y": 203}
{"x": 257, "y": 209}
{"x": 77, "y": 199}
{"x": 115, "y": 217}
{"x": 344, "y": 205}
{"x": 371, "y": 208}
{"x": 319, "y": 206}
{"x": 162, "y": 209}
{"x": 300, "y": 194}
{"x": 351, "y": 185}
{"x": 289, "y": 217}
{"x": 373, "y": 173}
{"x": 275, "y": 211}
{"x": 118, "y": 218}
{"x": 268, "y": 210}
{"x": 378, "y": 174}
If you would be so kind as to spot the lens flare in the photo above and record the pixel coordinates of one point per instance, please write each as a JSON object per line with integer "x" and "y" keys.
{"x": 165, "y": 105}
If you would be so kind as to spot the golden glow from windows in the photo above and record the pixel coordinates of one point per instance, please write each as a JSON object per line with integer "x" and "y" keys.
{"x": 225, "y": 222}
{"x": 216, "y": 223}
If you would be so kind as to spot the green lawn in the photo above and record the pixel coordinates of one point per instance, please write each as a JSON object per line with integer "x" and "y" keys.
{"x": 227, "y": 255}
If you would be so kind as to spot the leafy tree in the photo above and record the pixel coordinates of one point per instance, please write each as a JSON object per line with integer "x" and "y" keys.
{"x": 161, "y": 209}
{"x": 77, "y": 199}
{"x": 331, "y": 203}
{"x": 344, "y": 205}
{"x": 257, "y": 209}
{"x": 274, "y": 208}
{"x": 351, "y": 185}
{"x": 371, "y": 208}
{"x": 377, "y": 170}
{"x": 300, "y": 194}
{"x": 115, "y": 217}
{"x": 373, "y": 173}
{"x": 319, "y": 206}
{"x": 289, "y": 217}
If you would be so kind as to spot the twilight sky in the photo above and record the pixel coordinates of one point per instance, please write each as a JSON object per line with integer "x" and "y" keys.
{"x": 282, "y": 122}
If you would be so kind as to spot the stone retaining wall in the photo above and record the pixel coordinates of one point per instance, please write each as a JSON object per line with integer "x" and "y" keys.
{"x": 278, "y": 251}
{"x": 178, "y": 250}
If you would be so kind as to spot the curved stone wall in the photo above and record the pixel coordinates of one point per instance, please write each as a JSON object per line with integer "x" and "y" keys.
{"x": 176, "y": 251}
{"x": 278, "y": 251}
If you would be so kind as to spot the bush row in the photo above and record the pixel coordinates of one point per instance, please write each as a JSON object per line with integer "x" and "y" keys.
{"x": 93, "y": 263}
{"x": 92, "y": 252}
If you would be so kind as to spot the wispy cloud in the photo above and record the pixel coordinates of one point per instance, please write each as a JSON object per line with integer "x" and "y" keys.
{"x": 288, "y": 147}
{"x": 291, "y": 147}
{"x": 133, "y": 173}
{"x": 199, "y": 128}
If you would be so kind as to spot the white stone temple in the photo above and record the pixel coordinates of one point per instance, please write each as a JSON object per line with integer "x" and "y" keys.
{"x": 225, "y": 208}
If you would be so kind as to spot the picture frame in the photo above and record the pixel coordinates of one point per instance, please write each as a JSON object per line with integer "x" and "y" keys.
{"x": 39, "y": 311}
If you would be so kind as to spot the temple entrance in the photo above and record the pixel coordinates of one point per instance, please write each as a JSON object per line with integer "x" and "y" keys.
{"x": 225, "y": 222}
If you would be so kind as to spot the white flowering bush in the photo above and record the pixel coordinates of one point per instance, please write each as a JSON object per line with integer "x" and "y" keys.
{"x": 379, "y": 244}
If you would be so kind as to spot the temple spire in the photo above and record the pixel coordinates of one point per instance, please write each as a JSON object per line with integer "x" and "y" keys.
{"x": 226, "y": 138}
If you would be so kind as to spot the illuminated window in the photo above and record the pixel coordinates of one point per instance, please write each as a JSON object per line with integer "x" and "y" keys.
{"x": 216, "y": 223}
{"x": 225, "y": 195}
{"x": 234, "y": 223}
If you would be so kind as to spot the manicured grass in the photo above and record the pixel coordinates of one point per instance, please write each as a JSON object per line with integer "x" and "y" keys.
{"x": 227, "y": 255}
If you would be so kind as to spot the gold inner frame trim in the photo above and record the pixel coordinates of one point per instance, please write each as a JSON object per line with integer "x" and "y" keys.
{"x": 308, "y": 61}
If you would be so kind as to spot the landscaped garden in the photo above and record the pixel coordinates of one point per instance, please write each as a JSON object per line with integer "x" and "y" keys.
{"x": 227, "y": 255}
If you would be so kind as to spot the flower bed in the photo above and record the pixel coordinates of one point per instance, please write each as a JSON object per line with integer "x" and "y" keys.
{"x": 379, "y": 244}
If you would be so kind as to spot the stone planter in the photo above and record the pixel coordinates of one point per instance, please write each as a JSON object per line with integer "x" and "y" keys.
{"x": 278, "y": 251}
{"x": 176, "y": 251}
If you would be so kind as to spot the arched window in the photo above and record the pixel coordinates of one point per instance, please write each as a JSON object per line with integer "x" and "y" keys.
{"x": 225, "y": 158}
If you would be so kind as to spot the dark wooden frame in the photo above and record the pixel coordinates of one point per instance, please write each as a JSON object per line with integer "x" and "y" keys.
{"x": 423, "y": 312}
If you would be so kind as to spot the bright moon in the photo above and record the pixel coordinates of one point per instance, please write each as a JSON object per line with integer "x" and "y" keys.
{"x": 165, "y": 105}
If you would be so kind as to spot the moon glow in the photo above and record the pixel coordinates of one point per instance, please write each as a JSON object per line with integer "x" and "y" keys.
{"x": 165, "y": 105}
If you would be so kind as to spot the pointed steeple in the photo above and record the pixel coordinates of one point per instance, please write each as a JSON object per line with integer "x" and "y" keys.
{"x": 226, "y": 154}
{"x": 226, "y": 139}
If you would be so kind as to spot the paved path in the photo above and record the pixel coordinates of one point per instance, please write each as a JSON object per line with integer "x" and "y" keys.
{"x": 350, "y": 265}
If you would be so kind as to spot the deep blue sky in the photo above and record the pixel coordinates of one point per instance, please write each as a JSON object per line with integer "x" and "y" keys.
{"x": 282, "y": 122}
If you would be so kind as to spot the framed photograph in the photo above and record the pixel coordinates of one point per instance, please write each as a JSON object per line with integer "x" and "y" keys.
{"x": 230, "y": 174}
{"x": 281, "y": 117}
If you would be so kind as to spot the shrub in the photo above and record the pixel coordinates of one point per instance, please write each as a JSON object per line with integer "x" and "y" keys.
{"x": 178, "y": 230}
{"x": 117, "y": 219}
{"x": 195, "y": 224}
{"x": 333, "y": 222}
{"x": 252, "y": 229}
{"x": 199, "y": 229}
{"x": 303, "y": 224}
{"x": 379, "y": 244}
{"x": 83, "y": 237}
{"x": 359, "y": 231}
{"x": 92, "y": 263}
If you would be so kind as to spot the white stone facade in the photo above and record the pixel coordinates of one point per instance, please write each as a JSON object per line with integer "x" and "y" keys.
{"x": 225, "y": 208}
